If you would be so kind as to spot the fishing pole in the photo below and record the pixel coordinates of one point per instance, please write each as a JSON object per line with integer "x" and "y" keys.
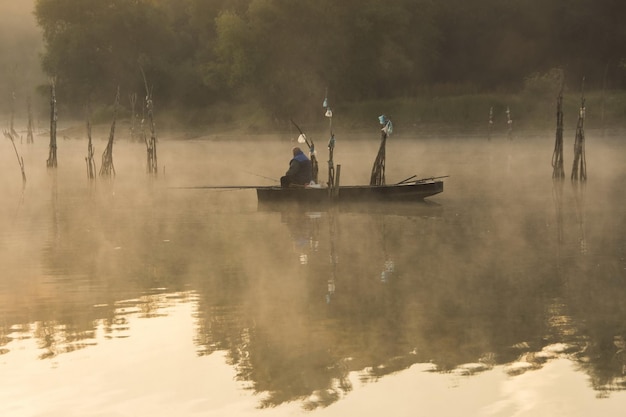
{"x": 262, "y": 176}
{"x": 221, "y": 187}
{"x": 303, "y": 136}
{"x": 311, "y": 145}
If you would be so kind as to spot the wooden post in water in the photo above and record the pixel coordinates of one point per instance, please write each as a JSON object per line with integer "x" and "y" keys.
{"x": 557, "y": 157}
{"x": 331, "y": 146}
{"x": 331, "y": 163}
{"x": 336, "y": 186}
{"x": 579, "y": 169}
{"x": 52, "y": 155}
{"x": 107, "y": 168}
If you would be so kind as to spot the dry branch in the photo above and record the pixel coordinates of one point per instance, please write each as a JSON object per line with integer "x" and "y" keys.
{"x": 10, "y": 135}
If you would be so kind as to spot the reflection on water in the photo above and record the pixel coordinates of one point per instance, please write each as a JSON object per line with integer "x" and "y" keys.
{"x": 299, "y": 300}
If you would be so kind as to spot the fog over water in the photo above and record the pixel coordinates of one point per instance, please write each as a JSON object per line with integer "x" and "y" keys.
{"x": 504, "y": 295}
{"x": 137, "y": 296}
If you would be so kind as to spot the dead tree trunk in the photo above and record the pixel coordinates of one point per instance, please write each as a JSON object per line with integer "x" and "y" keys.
{"x": 133, "y": 116}
{"x": 378, "y": 170}
{"x": 151, "y": 150}
{"x": 30, "y": 138}
{"x": 557, "y": 157}
{"x": 52, "y": 156}
{"x": 579, "y": 169}
{"x": 20, "y": 160}
{"x": 91, "y": 164}
{"x": 12, "y": 134}
{"x": 107, "y": 169}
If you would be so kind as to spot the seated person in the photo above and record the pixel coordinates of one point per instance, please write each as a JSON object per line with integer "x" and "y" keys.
{"x": 299, "y": 172}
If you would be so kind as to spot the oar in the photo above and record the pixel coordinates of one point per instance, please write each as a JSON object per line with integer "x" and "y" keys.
{"x": 407, "y": 179}
{"x": 410, "y": 179}
{"x": 431, "y": 178}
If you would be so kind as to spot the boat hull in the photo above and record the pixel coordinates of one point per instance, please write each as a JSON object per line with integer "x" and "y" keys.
{"x": 352, "y": 193}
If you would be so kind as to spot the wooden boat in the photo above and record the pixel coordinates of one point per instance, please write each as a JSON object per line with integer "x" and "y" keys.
{"x": 409, "y": 189}
{"x": 406, "y": 191}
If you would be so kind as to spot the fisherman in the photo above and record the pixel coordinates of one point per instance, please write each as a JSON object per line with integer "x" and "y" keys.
{"x": 299, "y": 172}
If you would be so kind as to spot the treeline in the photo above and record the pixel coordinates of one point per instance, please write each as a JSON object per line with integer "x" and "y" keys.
{"x": 278, "y": 57}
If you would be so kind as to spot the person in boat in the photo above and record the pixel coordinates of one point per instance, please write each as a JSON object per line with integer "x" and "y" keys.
{"x": 300, "y": 171}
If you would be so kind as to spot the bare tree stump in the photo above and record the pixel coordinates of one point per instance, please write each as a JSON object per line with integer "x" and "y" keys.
{"x": 133, "y": 116}
{"x": 579, "y": 169}
{"x": 151, "y": 150}
{"x": 30, "y": 138}
{"x": 378, "y": 170}
{"x": 52, "y": 155}
{"x": 107, "y": 168}
{"x": 557, "y": 157}
{"x": 91, "y": 164}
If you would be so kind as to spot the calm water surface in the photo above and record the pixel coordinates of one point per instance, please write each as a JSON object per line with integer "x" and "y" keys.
{"x": 503, "y": 296}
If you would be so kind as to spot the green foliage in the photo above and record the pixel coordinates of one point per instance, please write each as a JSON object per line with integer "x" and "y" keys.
{"x": 94, "y": 45}
{"x": 547, "y": 84}
{"x": 281, "y": 55}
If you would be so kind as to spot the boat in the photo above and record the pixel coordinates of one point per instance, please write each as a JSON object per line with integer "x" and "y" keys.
{"x": 410, "y": 189}
{"x": 407, "y": 191}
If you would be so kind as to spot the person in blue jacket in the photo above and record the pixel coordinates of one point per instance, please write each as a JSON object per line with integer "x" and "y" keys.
{"x": 299, "y": 172}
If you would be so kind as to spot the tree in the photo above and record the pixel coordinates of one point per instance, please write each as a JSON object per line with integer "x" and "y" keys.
{"x": 92, "y": 46}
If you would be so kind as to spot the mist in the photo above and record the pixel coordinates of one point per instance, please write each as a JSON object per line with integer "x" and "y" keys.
{"x": 505, "y": 276}
{"x": 21, "y": 45}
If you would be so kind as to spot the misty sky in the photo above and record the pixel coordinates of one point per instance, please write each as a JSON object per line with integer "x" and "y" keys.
{"x": 20, "y": 47}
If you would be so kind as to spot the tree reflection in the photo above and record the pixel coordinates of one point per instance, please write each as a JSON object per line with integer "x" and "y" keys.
{"x": 381, "y": 289}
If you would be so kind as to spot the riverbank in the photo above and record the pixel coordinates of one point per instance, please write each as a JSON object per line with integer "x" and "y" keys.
{"x": 428, "y": 115}
{"x": 424, "y": 116}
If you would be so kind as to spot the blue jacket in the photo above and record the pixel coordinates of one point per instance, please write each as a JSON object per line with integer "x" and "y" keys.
{"x": 300, "y": 170}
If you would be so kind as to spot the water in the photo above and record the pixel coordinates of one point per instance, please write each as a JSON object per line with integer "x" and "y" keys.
{"x": 503, "y": 296}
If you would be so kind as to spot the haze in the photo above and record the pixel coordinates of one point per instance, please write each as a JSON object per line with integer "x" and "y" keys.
{"x": 20, "y": 47}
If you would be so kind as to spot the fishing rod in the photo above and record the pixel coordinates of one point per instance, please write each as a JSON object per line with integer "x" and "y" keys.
{"x": 221, "y": 187}
{"x": 262, "y": 176}
{"x": 303, "y": 139}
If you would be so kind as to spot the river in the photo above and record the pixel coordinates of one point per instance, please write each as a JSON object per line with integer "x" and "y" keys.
{"x": 134, "y": 296}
